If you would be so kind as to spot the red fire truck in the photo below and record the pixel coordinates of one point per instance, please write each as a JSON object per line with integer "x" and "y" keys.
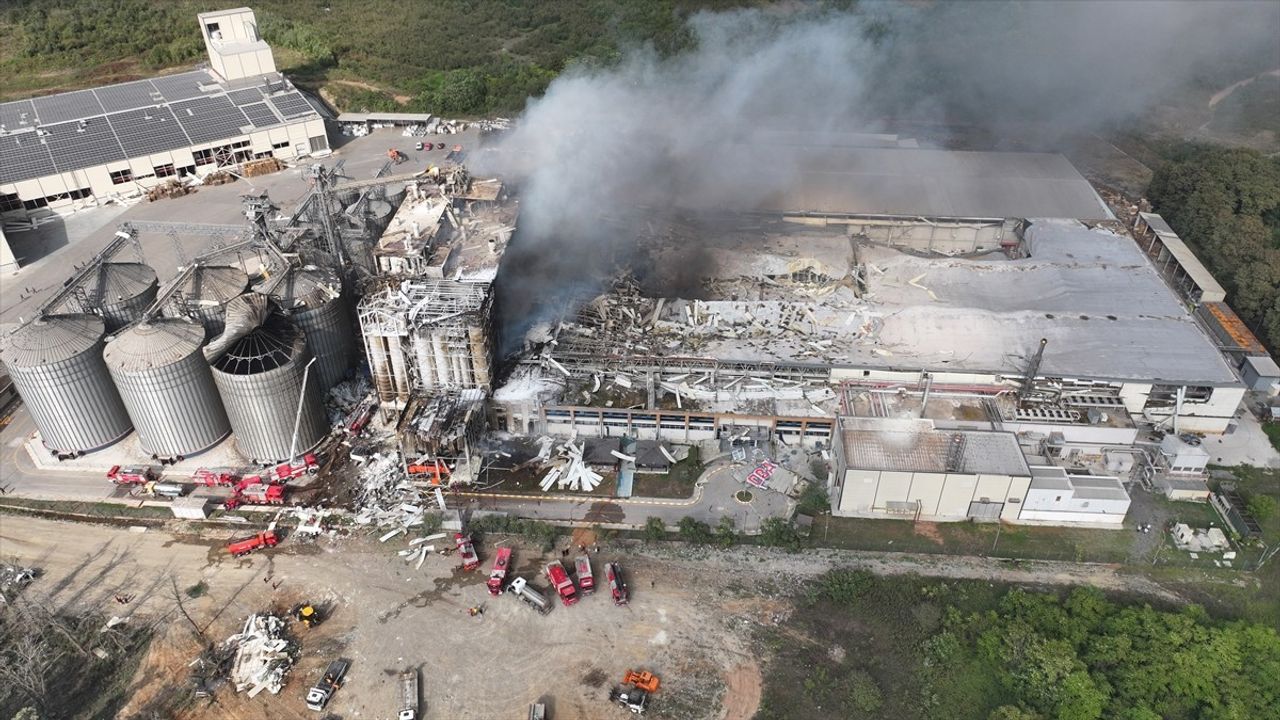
{"x": 466, "y": 551}
{"x": 137, "y": 475}
{"x": 617, "y": 587}
{"x": 498, "y": 575}
{"x": 244, "y": 546}
{"x": 252, "y": 490}
{"x": 205, "y": 476}
{"x": 555, "y": 572}
{"x": 305, "y": 465}
{"x": 586, "y": 578}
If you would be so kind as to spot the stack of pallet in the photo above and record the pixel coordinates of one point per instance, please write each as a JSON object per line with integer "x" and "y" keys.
{"x": 265, "y": 166}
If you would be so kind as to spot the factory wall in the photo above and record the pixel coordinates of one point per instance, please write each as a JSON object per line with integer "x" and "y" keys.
{"x": 96, "y": 181}
{"x": 938, "y": 496}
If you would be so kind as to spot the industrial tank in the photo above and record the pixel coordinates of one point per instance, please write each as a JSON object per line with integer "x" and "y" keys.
{"x": 312, "y": 297}
{"x": 378, "y": 214}
{"x": 205, "y": 292}
{"x": 121, "y": 292}
{"x": 167, "y": 387}
{"x": 56, "y": 365}
{"x": 260, "y": 378}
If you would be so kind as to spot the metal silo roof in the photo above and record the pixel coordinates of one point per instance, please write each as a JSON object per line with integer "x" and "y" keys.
{"x": 268, "y": 347}
{"x": 215, "y": 283}
{"x": 53, "y": 338}
{"x": 121, "y": 281}
{"x": 153, "y": 344}
{"x": 306, "y": 287}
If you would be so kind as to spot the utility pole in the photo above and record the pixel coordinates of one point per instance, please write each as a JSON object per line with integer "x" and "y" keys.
{"x": 297, "y": 418}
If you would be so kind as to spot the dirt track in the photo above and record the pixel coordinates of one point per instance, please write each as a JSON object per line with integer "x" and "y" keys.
{"x": 691, "y": 619}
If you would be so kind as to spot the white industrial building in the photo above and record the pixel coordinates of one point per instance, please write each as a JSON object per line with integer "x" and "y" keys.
{"x": 87, "y": 146}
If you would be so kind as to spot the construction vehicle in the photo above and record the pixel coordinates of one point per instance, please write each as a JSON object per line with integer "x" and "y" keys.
{"x": 320, "y": 693}
{"x": 213, "y": 478}
{"x": 498, "y": 575}
{"x": 296, "y": 468}
{"x": 134, "y": 475}
{"x": 408, "y": 695}
{"x": 617, "y": 586}
{"x": 520, "y": 588}
{"x": 244, "y": 546}
{"x": 562, "y": 583}
{"x": 586, "y": 578}
{"x": 466, "y": 551}
{"x": 395, "y": 156}
{"x": 307, "y": 614}
{"x": 635, "y": 691}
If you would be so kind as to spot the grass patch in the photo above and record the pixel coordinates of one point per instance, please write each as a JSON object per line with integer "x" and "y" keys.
{"x": 1272, "y": 429}
{"x": 197, "y": 590}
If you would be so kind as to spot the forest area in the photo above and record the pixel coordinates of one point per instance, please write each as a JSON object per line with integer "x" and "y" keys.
{"x": 917, "y": 648}
{"x": 1225, "y": 203}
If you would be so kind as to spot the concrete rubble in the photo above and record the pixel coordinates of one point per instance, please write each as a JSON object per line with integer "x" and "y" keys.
{"x": 568, "y": 471}
{"x": 263, "y": 655}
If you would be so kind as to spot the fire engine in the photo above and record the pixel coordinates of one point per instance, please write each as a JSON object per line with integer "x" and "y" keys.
{"x": 296, "y": 468}
{"x": 498, "y": 576}
{"x": 617, "y": 588}
{"x": 586, "y": 578}
{"x": 244, "y": 546}
{"x": 136, "y": 475}
{"x": 560, "y": 580}
{"x": 467, "y": 551}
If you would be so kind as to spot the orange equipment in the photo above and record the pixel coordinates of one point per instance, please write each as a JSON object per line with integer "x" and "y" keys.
{"x": 643, "y": 680}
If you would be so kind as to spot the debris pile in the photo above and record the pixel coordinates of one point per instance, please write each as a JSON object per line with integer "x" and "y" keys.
{"x": 384, "y": 495}
{"x": 568, "y": 470}
{"x": 263, "y": 655}
{"x": 14, "y": 579}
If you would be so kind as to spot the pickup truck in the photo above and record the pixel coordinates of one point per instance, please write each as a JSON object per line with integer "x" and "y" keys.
{"x": 320, "y": 693}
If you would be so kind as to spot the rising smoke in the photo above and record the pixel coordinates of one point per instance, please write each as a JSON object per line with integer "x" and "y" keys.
{"x": 716, "y": 126}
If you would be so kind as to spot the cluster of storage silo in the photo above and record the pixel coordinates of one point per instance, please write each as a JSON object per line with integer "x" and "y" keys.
{"x": 178, "y": 380}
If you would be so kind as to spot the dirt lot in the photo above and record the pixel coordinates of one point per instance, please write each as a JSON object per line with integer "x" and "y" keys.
{"x": 385, "y": 617}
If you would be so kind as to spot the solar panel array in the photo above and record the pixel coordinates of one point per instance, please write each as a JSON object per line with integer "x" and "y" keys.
{"x": 244, "y": 97}
{"x": 291, "y": 104}
{"x": 147, "y": 131}
{"x": 210, "y": 118}
{"x": 85, "y": 128}
{"x": 260, "y": 115}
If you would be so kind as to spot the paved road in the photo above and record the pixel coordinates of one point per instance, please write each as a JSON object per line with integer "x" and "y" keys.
{"x": 713, "y": 499}
{"x": 19, "y": 475}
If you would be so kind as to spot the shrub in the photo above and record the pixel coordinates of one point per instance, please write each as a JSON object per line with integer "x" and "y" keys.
{"x": 1261, "y": 507}
{"x": 779, "y": 532}
{"x": 694, "y": 531}
{"x": 655, "y": 529}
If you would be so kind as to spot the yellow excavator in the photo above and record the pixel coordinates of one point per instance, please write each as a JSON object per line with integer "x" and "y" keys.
{"x": 307, "y": 614}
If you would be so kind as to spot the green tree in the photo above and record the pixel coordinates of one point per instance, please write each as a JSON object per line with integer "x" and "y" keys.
{"x": 1261, "y": 507}
{"x": 655, "y": 529}
{"x": 779, "y": 532}
{"x": 1013, "y": 712}
{"x": 694, "y": 531}
{"x": 726, "y": 532}
{"x": 862, "y": 694}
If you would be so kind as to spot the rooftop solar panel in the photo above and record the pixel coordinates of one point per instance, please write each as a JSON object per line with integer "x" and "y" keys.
{"x": 260, "y": 115}
{"x": 244, "y": 97}
{"x": 14, "y": 115}
{"x": 127, "y": 96}
{"x": 182, "y": 86}
{"x": 291, "y": 104}
{"x": 67, "y": 106}
{"x": 211, "y": 118}
{"x": 23, "y": 156}
{"x": 147, "y": 131}
{"x": 82, "y": 144}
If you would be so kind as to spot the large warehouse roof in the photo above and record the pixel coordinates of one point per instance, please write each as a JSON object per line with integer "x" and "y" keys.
{"x": 86, "y": 128}
{"x": 916, "y": 446}
{"x": 921, "y": 182}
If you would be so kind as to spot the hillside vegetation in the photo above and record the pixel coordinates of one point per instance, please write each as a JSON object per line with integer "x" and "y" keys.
{"x": 881, "y": 647}
{"x": 1225, "y": 203}
{"x": 453, "y": 57}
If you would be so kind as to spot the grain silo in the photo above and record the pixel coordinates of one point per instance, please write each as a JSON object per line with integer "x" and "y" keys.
{"x": 56, "y": 365}
{"x": 167, "y": 387}
{"x": 260, "y": 378}
{"x": 377, "y": 215}
{"x": 204, "y": 294}
{"x": 120, "y": 292}
{"x": 312, "y": 297}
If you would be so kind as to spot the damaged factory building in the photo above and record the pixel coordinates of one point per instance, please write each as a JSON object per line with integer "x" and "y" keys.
{"x": 960, "y": 335}
{"x": 426, "y": 318}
